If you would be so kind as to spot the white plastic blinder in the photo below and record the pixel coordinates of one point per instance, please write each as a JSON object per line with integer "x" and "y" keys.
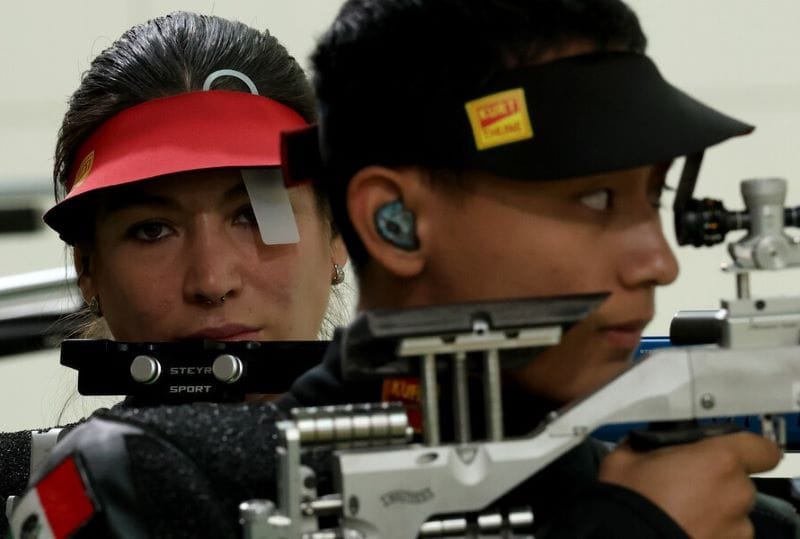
{"x": 271, "y": 205}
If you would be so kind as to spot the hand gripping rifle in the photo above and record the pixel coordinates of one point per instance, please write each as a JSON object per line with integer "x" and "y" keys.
{"x": 387, "y": 486}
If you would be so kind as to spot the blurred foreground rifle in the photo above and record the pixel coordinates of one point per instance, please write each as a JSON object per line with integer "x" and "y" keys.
{"x": 387, "y": 486}
{"x": 32, "y": 304}
{"x": 35, "y": 309}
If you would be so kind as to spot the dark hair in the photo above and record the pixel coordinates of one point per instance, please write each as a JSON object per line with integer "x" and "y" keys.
{"x": 171, "y": 55}
{"x": 385, "y": 67}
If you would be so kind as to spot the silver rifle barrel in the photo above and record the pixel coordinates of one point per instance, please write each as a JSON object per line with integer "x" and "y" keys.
{"x": 50, "y": 291}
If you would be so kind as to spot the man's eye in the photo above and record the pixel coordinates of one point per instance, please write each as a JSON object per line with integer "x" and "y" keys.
{"x": 655, "y": 200}
{"x": 599, "y": 200}
{"x": 656, "y": 195}
{"x": 152, "y": 231}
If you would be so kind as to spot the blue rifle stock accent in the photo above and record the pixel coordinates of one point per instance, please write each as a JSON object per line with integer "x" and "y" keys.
{"x": 615, "y": 433}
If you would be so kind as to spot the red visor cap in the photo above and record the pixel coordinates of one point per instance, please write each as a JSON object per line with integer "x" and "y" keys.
{"x": 180, "y": 133}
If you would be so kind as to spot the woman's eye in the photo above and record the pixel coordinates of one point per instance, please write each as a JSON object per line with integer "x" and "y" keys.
{"x": 152, "y": 231}
{"x": 245, "y": 216}
{"x": 599, "y": 200}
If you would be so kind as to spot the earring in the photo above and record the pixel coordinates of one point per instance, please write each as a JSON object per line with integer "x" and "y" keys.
{"x": 338, "y": 274}
{"x": 95, "y": 308}
{"x": 397, "y": 225}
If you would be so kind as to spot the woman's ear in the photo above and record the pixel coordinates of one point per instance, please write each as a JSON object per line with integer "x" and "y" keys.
{"x": 385, "y": 210}
{"x": 338, "y": 251}
{"x": 82, "y": 262}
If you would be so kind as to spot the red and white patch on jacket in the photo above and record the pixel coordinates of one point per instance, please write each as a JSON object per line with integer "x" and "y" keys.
{"x": 56, "y": 507}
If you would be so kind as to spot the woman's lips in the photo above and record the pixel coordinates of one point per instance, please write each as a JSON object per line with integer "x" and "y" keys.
{"x": 227, "y": 332}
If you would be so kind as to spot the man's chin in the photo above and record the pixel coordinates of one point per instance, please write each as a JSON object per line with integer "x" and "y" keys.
{"x": 591, "y": 379}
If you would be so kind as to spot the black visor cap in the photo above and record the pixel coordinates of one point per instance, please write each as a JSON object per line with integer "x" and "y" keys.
{"x": 598, "y": 113}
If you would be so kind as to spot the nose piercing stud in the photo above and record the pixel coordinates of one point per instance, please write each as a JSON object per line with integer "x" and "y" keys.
{"x": 222, "y": 299}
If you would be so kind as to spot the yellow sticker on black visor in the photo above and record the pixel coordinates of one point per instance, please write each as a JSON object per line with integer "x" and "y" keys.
{"x": 500, "y": 118}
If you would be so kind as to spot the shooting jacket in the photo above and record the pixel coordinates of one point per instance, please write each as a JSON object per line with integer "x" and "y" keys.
{"x": 15, "y": 451}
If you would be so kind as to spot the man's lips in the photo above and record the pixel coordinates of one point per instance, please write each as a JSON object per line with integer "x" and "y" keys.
{"x": 625, "y": 335}
{"x": 227, "y": 332}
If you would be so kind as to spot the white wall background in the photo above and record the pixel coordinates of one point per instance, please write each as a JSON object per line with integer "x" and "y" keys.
{"x": 741, "y": 56}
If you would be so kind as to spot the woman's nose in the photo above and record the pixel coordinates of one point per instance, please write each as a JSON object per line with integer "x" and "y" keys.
{"x": 212, "y": 269}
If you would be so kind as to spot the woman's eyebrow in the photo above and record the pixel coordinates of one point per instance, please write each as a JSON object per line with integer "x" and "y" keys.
{"x": 131, "y": 198}
{"x": 136, "y": 198}
{"x": 235, "y": 192}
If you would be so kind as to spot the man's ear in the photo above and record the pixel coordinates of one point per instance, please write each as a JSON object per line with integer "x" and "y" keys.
{"x": 82, "y": 261}
{"x": 375, "y": 193}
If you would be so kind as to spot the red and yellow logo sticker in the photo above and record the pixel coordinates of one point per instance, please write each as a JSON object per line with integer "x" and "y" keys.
{"x": 407, "y": 391}
{"x": 499, "y": 119}
{"x": 83, "y": 170}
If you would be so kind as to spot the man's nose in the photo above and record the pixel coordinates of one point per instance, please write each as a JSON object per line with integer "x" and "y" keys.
{"x": 647, "y": 258}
